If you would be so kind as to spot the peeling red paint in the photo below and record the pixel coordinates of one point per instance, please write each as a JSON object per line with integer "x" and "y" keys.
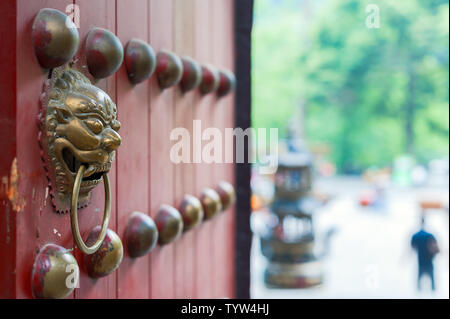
{"x": 14, "y": 197}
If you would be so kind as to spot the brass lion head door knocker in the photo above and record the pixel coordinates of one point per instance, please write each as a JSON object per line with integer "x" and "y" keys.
{"x": 79, "y": 136}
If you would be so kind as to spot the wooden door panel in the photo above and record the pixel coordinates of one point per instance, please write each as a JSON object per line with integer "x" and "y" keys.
{"x": 203, "y": 111}
{"x": 161, "y": 168}
{"x": 219, "y": 230}
{"x": 228, "y": 109}
{"x": 221, "y": 13}
{"x": 133, "y": 155}
{"x": 184, "y": 172}
{"x": 8, "y": 127}
{"x": 37, "y": 223}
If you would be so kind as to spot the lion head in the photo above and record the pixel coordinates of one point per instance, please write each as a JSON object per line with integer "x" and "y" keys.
{"x": 79, "y": 127}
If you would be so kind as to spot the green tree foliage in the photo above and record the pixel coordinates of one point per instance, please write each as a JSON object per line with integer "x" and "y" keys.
{"x": 371, "y": 93}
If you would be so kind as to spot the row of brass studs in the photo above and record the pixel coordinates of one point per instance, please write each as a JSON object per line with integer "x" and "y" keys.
{"x": 54, "y": 264}
{"x": 142, "y": 233}
{"x": 55, "y": 41}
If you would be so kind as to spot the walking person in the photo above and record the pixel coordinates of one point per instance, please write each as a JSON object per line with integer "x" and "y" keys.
{"x": 425, "y": 244}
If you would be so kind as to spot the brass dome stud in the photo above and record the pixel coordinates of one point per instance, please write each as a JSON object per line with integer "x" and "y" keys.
{"x": 55, "y": 38}
{"x": 169, "y": 69}
{"x": 227, "y": 83}
{"x": 210, "y": 79}
{"x": 191, "y": 211}
{"x": 107, "y": 258}
{"x": 169, "y": 223}
{"x": 104, "y": 53}
{"x": 227, "y": 194}
{"x": 140, "y": 60}
{"x": 141, "y": 234}
{"x": 211, "y": 203}
{"x": 54, "y": 267}
{"x": 191, "y": 74}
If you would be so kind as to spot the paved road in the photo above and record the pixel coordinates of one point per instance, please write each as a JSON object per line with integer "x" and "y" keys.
{"x": 369, "y": 255}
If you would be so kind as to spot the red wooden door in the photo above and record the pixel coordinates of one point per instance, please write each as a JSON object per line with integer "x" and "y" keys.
{"x": 201, "y": 262}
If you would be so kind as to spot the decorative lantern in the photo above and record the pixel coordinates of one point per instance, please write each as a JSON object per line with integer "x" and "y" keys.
{"x": 289, "y": 243}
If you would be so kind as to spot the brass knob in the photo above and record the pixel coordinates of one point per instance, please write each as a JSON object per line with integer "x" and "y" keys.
{"x": 211, "y": 203}
{"x": 169, "y": 69}
{"x": 191, "y": 74}
{"x": 141, "y": 234}
{"x": 210, "y": 79}
{"x": 107, "y": 258}
{"x": 140, "y": 60}
{"x": 55, "y": 38}
{"x": 55, "y": 273}
{"x": 226, "y": 193}
{"x": 227, "y": 83}
{"x": 169, "y": 224}
{"x": 104, "y": 53}
{"x": 191, "y": 211}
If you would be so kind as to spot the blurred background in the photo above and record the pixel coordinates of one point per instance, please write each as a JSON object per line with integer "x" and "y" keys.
{"x": 363, "y": 87}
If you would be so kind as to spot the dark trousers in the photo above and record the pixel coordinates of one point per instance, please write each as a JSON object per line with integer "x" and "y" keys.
{"x": 426, "y": 271}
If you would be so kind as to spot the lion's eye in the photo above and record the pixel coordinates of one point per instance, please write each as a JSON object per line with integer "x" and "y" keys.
{"x": 95, "y": 125}
{"x": 63, "y": 115}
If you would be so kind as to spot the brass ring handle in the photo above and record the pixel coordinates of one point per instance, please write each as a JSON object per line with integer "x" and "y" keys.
{"x": 74, "y": 218}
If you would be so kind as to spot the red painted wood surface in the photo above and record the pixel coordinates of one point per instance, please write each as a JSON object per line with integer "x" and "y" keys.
{"x": 221, "y": 12}
{"x": 203, "y": 175}
{"x": 161, "y": 168}
{"x": 223, "y": 48}
{"x": 37, "y": 223}
{"x": 8, "y": 143}
{"x": 133, "y": 158}
{"x": 184, "y": 38}
{"x": 200, "y": 263}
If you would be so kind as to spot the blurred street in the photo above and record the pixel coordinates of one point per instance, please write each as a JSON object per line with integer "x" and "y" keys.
{"x": 370, "y": 254}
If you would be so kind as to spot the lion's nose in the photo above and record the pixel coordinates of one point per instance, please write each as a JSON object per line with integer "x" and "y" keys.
{"x": 111, "y": 139}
